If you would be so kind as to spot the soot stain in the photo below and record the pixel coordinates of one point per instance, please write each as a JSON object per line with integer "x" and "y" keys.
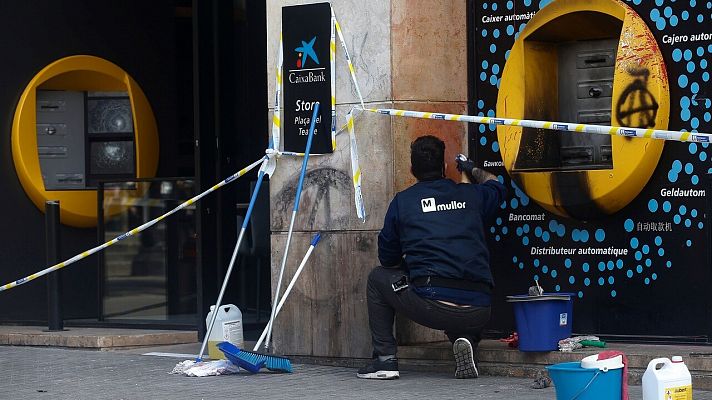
{"x": 318, "y": 186}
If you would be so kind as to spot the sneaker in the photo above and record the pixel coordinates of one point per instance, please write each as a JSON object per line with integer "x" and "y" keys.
{"x": 464, "y": 359}
{"x": 380, "y": 370}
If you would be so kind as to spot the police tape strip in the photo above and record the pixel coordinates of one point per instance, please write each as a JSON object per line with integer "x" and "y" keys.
{"x": 332, "y": 65}
{"x": 348, "y": 58}
{"x": 264, "y": 161}
{"x": 355, "y": 169}
{"x": 280, "y": 153}
{"x": 681, "y": 136}
{"x": 276, "y": 115}
{"x": 133, "y": 202}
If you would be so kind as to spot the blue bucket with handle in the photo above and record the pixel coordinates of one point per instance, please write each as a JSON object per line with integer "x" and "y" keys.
{"x": 542, "y": 320}
{"x": 573, "y": 382}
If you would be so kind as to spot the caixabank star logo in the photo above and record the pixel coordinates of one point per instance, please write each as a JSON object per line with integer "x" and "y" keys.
{"x": 306, "y": 51}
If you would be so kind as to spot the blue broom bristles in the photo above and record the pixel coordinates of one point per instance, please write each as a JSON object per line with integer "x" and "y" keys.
{"x": 279, "y": 364}
{"x": 253, "y": 361}
{"x": 273, "y": 363}
{"x": 236, "y": 356}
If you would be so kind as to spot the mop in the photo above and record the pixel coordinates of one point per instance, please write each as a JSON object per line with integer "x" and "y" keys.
{"x": 182, "y": 368}
{"x": 252, "y": 358}
{"x": 272, "y": 362}
{"x": 314, "y": 242}
{"x": 291, "y": 223}
{"x": 253, "y": 361}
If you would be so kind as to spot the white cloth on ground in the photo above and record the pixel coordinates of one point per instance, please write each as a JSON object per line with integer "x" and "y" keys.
{"x": 205, "y": 368}
{"x": 573, "y": 343}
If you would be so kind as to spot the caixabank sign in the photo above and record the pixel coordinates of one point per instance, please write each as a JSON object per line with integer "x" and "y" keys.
{"x": 307, "y": 76}
{"x": 619, "y": 222}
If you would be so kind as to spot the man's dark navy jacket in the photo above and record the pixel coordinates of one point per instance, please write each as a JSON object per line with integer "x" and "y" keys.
{"x": 438, "y": 226}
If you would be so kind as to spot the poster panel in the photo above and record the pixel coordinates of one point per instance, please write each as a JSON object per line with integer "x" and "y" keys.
{"x": 621, "y": 223}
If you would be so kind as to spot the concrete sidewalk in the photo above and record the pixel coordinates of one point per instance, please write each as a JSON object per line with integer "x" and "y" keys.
{"x": 52, "y": 373}
{"x": 92, "y": 338}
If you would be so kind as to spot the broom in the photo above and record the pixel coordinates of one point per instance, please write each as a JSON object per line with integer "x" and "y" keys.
{"x": 314, "y": 242}
{"x": 251, "y": 359}
{"x": 272, "y": 362}
{"x": 260, "y": 177}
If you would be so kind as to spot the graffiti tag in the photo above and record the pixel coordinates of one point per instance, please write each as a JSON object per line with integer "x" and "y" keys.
{"x": 637, "y": 107}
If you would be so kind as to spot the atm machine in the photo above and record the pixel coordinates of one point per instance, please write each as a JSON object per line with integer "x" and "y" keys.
{"x": 83, "y": 137}
{"x": 582, "y": 62}
{"x": 586, "y": 71}
{"x": 585, "y": 89}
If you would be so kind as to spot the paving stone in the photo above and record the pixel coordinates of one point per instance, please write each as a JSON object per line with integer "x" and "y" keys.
{"x": 100, "y": 338}
{"x": 51, "y": 373}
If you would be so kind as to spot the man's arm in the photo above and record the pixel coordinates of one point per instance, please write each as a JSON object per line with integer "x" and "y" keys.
{"x": 472, "y": 174}
{"x": 493, "y": 192}
{"x": 389, "y": 247}
{"x": 481, "y": 176}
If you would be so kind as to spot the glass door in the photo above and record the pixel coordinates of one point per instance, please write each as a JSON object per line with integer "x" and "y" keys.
{"x": 148, "y": 277}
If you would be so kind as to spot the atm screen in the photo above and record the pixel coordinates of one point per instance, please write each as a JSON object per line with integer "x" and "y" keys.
{"x": 111, "y": 157}
{"x": 109, "y": 115}
{"x": 83, "y": 137}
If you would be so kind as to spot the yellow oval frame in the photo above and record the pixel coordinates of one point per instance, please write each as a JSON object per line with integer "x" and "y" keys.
{"x": 634, "y": 160}
{"x": 82, "y": 73}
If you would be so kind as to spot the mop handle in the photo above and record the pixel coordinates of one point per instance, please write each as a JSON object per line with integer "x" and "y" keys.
{"x": 291, "y": 223}
{"x": 306, "y": 158}
{"x": 218, "y": 303}
{"x": 314, "y": 242}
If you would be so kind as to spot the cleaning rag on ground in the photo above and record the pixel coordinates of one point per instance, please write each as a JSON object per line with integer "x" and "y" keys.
{"x": 205, "y": 368}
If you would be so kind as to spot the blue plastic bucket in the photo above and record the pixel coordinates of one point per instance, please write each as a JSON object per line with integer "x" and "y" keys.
{"x": 575, "y": 383}
{"x": 542, "y": 320}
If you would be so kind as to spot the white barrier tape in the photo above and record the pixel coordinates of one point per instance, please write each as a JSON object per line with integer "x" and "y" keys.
{"x": 332, "y": 65}
{"x": 134, "y": 231}
{"x": 662, "y": 134}
{"x": 355, "y": 169}
{"x": 276, "y": 116}
{"x": 339, "y": 131}
{"x": 348, "y": 58}
{"x": 135, "y": 202}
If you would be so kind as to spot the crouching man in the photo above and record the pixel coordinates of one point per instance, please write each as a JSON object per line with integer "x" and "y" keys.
{"x": 434, "y": 260}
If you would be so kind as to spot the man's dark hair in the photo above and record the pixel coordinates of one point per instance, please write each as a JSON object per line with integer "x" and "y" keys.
{"x": 427, "y": 155}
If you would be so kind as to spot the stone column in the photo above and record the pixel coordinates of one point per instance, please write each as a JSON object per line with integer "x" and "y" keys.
{"x": 408, "y": 54}
{"x": 429, "y": 68}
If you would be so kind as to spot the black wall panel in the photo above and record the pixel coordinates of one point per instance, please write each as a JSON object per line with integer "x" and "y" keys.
{"x": 139, "y": 36}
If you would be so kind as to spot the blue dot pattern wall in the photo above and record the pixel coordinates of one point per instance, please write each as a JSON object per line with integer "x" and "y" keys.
{"x": 632, "y": 272}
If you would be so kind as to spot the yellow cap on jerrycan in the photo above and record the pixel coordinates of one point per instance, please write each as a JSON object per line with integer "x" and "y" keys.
{"x": 667, "y": 379}
{"x": 227, "y": 328}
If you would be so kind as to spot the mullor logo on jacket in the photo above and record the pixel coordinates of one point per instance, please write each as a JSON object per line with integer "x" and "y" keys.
{"x": 429, "y": 205}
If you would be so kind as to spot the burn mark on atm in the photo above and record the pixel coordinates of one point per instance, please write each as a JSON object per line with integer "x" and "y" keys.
{"x": 572, "y": 192}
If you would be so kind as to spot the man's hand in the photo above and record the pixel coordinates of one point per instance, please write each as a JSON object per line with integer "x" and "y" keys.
{"x": 473, "y": 173}
{"x": 464, "y": 164}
